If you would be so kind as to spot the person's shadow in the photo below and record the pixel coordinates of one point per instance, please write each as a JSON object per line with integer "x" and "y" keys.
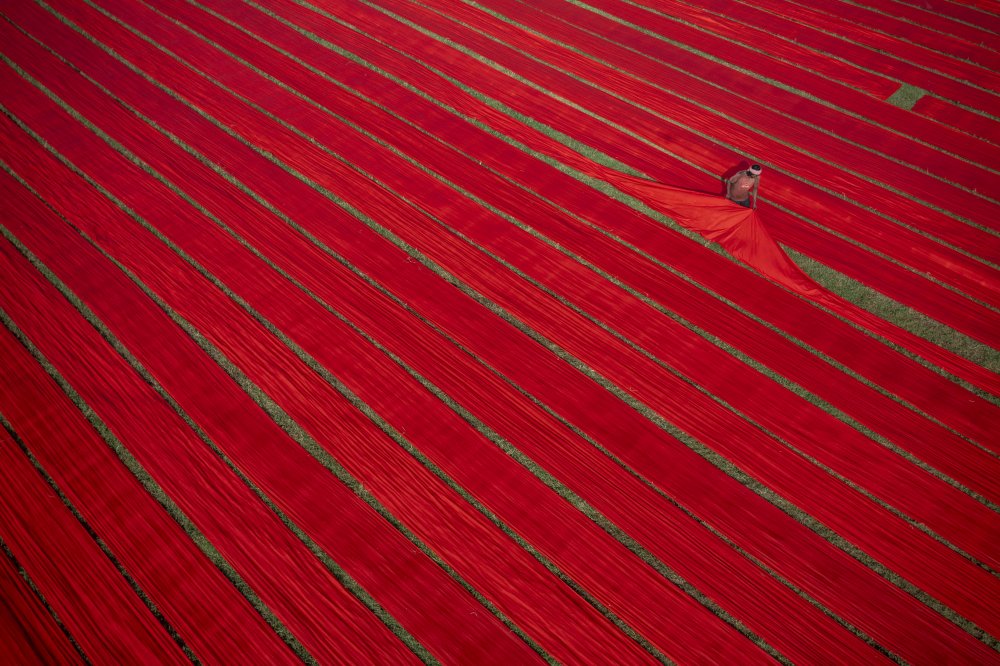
{"x": 729, "y": 173}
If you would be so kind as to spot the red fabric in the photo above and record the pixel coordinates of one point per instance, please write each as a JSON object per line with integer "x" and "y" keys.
{"x": 963, "y": 314}
{"x": 457, "y": 308}
{"x": 193, "y": 595}
{"x": 406, "y": 583}
{"x": 516, "y": 129}
{"x": 940, "y": 302}
{"x": 635, "y": 598}
{"x": 612, "y": 215}
{"x": 655, "y": 489}
{"x": 736, "y": 228}
{"x": 52, "y": 547}
{"x": 410, "y": 490}
{"x": 637, "y": 588}
{"x": 749, "y": 132}
{"x": 814, "y": 40}
{"x": 873, "y": 27}
{"x": 29, "y": 633}
{"x": 943, "y": 111}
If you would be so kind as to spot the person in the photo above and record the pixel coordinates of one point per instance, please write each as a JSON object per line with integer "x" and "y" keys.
{"x": 743, "y": 185}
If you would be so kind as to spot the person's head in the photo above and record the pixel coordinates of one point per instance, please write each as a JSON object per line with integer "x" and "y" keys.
{"x": 754, "y": 170}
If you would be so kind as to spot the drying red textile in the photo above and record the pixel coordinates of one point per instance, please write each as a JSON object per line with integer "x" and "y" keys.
{"x": 385, "y": 209}
{"x": 887, "y": 405}
{"x": 736, "y": 228}
{"x": 29, "y": 633}
{"x": 592, "y": 581}
{"x": 951, "y": 114}
{"x": 959, "y": 311}
{"x": 113, "y": 626}
{"x": 481, "y": 342}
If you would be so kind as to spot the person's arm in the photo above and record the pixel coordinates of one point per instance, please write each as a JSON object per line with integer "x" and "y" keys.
{"x": 756, "y": 186}
{"x": 729, "y": 186}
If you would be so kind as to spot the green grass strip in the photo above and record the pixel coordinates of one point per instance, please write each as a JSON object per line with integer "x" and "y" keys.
{"x": 903, "y": 316}
{"x": 906, "y": 96}
{"x": 34, "y": 588}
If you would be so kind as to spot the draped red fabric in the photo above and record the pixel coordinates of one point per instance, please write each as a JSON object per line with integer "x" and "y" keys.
{"x": 952, "y": 115}
{"x": 736, "y": 228}
{"x": 636, "y": 594}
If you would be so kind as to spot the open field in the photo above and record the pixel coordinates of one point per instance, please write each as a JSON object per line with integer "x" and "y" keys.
{"x": 399, "y": 331}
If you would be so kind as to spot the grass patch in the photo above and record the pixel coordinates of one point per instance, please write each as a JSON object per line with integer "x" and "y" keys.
{"x": 906, "y": 96}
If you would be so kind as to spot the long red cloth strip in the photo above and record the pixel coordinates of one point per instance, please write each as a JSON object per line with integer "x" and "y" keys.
{"x": 834, "y": 34}
{"x": 62, "y": 559}
{"x": 787, "y": 73}
{"x": 972, "y": 123}
{"x": 946, "y": 16}
{"x": 800, "y": 43}
{"x": 975, "y": 51}
{"x": 676, "y": 69}
{"x": 29, "y": 634}
{"x": 161, "y": 557}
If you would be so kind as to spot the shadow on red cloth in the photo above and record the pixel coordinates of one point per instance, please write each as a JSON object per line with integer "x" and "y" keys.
{"x": 736, "y": 228}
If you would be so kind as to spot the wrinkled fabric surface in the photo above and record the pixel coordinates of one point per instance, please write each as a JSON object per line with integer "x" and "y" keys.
{"x": 326, "y": 335}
